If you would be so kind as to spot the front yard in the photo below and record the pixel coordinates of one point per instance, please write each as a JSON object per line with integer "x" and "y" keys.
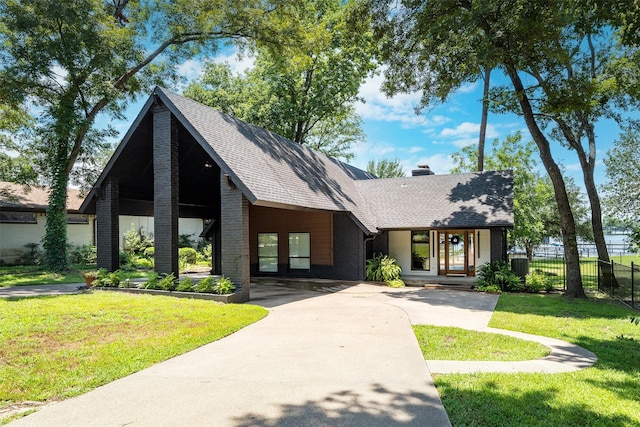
{"x": 52, "y": 348}
{"x": 607, "y": 394}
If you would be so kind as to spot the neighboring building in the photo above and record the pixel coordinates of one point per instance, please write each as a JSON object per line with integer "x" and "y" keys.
{"x": 278, "y": 208}
{"x": 23, "y": 216}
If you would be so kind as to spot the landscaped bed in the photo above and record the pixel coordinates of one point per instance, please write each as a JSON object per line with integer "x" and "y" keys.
{"x": 607, "y": 394}
{"x": 53, "y": 348}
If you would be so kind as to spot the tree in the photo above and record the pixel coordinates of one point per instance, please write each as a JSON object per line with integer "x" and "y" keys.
{"x": 622, "y": 189}
{"x": 304, "y": 93}
{"x": 385, "y": 168}
{"x": 75, "y": 60}
{"x": 565, "y": 49}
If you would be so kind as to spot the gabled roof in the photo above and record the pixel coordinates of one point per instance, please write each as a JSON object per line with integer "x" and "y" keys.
{"x": 273, "y": 171}
{"x": 469, "y": 200}
{"x": 19, "y": 197}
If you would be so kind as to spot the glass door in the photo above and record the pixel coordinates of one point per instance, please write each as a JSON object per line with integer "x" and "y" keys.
{"x": 456, "y": 252}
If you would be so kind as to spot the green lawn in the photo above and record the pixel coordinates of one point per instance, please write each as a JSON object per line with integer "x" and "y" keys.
{"x": 607, "y": 394}
{"x": 56, "y": 347}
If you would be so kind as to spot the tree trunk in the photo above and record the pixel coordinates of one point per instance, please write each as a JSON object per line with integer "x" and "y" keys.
{"x": 569, "y": 238}
{"x": 483, "y": 121}
{"x": 55, "y": 238}
{"x": 594, "y": 198}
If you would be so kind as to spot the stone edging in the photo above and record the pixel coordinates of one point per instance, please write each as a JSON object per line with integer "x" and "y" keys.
{"x": 564, "y": 357}
{"x": 227, "y": 299}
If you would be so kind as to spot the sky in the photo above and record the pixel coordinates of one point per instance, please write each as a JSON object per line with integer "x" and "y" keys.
{"x": 394, "y": 131}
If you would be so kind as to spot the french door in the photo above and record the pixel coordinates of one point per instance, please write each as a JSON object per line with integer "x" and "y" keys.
{"x": 456, "y": 250}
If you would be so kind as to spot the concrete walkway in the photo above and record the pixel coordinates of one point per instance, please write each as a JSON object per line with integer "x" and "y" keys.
{"x": 41, "y": 290}
{"x": 342, "y": 356}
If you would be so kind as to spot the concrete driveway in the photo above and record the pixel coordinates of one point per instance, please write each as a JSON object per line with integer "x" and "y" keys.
{"x": 342, "y": 356}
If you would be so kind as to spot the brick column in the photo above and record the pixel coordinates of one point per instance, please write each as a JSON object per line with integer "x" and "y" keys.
{"x": 108, "y": 226}
{"x": 165, "y": 190}
{"x": 235, "y": 236}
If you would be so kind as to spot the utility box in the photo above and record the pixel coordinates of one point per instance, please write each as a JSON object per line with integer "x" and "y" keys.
{"x": 520, "y": 266}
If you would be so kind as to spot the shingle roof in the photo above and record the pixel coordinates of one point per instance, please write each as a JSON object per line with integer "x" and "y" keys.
{"x": 469, "y": 200}
{"x": 33, "y": 198}
{"x": 273, "y": 171}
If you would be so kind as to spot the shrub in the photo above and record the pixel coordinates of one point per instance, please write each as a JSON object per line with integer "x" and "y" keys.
{"x": 152, "y": 282}
{"x": 142, "y": 263}
{"x": 499, "y": 274}
{"x": 124, "y": 258}
{"x": 186, "y": 285}
{"x": 224, "y": 286}
{"x": 107, "y": 280}
{"x": 33, "y": 255}
{"x": 188, "y": 255}
{"x": 494, "y": 289}
{"x": 204, "y": 254}
{"x": 205, "y": 285}
{"x": 83, "y": 254}
{"x": 395, "y": 283}
{"x": 535, "y": 282}
{"x": 135, "y": 242}
{"x": 185, "y": 241}
{"x": 168, "y": 282}
{"x": 149, "y": 252}
{"x": 383, "y": 268}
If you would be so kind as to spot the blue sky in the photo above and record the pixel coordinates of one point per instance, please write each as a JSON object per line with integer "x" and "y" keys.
{"x": 394, "y": 131}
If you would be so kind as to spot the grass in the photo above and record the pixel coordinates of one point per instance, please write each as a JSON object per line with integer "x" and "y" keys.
{"x": 607, "y": 394}
{"x": 35, "y": 275}
{"x": 449, "y": 343}
{"x": 53, "y": 348}
{"x": 555, "y": 267}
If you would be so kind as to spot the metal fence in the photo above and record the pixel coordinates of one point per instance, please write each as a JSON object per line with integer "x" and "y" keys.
{"x": 620, "y": 281}
{"x": 554, "y": 267}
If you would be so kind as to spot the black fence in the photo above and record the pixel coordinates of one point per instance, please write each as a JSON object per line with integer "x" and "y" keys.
{"x": 620, "y": 281}
{"x": 554, "y": 267}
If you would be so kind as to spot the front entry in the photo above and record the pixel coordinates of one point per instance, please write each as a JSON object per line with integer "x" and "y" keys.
{"x": 456, "y": 251}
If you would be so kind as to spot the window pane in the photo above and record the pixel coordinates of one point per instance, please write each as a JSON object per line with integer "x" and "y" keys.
{"x": 420, "y": 250}
{"x": 268, "y": 245}
{"x": 299, "y": 245}
{"x": 268, "y": 265}
{"x": 300, "y": 263}
{"x": 18, "y": 217}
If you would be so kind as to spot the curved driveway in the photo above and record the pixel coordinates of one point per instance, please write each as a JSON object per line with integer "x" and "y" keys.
{"x": 333, "y": 356}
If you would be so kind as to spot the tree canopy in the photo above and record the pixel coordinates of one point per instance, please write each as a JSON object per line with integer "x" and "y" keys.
{"x": 306, "y": 92}
{"x": 385, "y": 168}
{"x": 563, "y": 60}
{"x": 66, "y": 62}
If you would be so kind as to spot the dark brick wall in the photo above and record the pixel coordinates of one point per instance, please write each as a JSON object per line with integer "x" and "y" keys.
{"x": 234, "y": 230}
{"x": 348, "y": 249}
{"x": 107, "y": 226}
{"x": 166, "y": 189}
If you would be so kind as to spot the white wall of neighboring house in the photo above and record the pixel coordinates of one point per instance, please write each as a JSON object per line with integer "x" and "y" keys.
{"x": 13, "y": 236}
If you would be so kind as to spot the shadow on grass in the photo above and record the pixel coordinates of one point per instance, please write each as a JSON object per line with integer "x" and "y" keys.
{"x": 375, "y": 407}
{"x": 482, "y": 405}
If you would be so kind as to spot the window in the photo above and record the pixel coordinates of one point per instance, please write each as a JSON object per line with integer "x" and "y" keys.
{"x": 18, "y": 217}
{"x": 299, "y": 251}
{"x": 420, "y": 250}
{"x": 268, "y": 252}
{"x": 77, "y": 219}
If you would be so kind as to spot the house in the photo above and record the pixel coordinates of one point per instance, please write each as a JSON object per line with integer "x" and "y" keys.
{"x": 23, "y": 216}
{"x": 278, "y": 208}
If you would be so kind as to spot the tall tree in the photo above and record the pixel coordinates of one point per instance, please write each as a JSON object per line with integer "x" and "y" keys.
{"x": 385, "y": 168}
{"x": 486, "y": 85}
{"x": 306, "y": 92}
{"x": 76, "y": 59}
{"x": 560, "y": 80}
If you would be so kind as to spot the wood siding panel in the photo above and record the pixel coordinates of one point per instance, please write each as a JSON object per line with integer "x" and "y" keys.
{"x": 283, "y": 222}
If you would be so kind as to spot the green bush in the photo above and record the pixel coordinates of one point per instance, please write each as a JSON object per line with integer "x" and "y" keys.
{"x": 185, "y": 285}
{"x": 224, "y": 286}
{"x": 33, "y": 255}
{"x": 125, "y": 259}
{"x": 205, "y": 285}
{"x": 106, "y": 279}
{"x": 152, "y": 282}
{"x": 135, "y": 242}
{"x": 204, "y": 253}
{"x": 535, "y": 282}
{"x": 188, "y": 255}
{"x": 149, "y": 252}
{"x": 498, "y": 274}
{"x": 143, "y": 263}
{"x": 395, "y": 283}
{"x": 383, "y": 268}
{"x": 168, "y": 282}
{"x": 493, "y": 289}
{"x": 83, "y": 254}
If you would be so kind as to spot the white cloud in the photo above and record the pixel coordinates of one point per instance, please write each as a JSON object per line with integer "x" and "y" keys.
{"x": 414, "y": 150}
{"x": 439, "y": 163}
{"x": 191, "y": 69}
{"x": 238, "y": 63}
{"x": 467, "y": 88}
{"x": 465, "y": 134}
